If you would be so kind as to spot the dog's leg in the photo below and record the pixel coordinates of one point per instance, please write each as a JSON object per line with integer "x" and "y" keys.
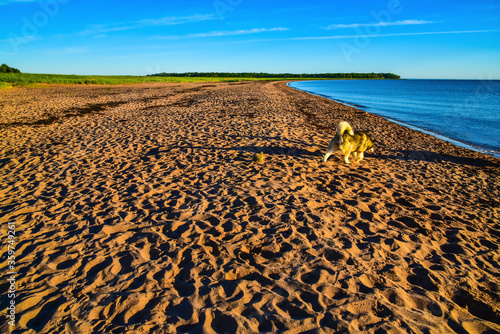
{"x": 361, "y": 156}
{"x": 346, "y": 158}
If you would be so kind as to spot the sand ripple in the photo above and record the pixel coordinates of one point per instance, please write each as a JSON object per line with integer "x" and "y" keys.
{"x": 138, "y": 209}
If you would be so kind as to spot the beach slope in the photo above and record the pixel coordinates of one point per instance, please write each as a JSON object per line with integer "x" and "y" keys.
{"x": 139, "y": 209}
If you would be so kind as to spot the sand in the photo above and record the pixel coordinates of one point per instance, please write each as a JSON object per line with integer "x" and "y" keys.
{"x": 139, "y": 209}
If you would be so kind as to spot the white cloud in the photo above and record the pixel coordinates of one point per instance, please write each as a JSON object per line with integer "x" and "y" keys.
{"x": 67, "y": 51}
{"x": 378, "y": 24}
{"x": 103, "y": 29}
{"x": 318, "y": 38}
{"x": 14, "y": 39}
{"x": 393, "y": 35}
{"x": 236, "y": 32}
{"x": 173, "y": 20}
{"x": 100, "y": 29}
{"x": 226, "y": 33}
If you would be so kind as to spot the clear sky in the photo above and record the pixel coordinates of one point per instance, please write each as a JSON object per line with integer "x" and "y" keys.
{"x": 454, "y": 39}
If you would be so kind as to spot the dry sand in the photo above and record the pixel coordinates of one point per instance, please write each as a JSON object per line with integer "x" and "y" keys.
{"x": 139, "y": 209}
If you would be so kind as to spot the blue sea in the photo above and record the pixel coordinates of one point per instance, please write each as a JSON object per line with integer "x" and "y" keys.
{"x": 464, "y": 112}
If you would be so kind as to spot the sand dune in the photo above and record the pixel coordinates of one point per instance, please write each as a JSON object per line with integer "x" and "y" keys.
{"x": 139, "y": 209}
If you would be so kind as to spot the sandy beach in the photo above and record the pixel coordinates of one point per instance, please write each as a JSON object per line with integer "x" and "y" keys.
{"x": 139, "y": 209}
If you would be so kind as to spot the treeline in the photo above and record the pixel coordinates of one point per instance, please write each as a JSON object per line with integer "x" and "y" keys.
{"x": 4, "y": 68}
{"x": 282, "y": 75}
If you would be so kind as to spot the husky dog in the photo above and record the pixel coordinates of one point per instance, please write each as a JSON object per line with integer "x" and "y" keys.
{"x": 348, "y": 141}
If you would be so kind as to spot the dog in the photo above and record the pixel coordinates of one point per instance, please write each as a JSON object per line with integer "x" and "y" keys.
{"x": 348, "y": 141}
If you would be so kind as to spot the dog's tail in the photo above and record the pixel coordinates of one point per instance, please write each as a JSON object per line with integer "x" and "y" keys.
{"x": 343, "y": 127}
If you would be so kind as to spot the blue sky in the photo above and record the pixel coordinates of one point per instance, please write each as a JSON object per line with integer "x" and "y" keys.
{"x": 413, "y": 38}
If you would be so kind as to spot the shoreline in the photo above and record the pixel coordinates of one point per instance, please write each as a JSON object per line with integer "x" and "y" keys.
{"x": 470, "y": 146}
{"x": 138, "y": 208}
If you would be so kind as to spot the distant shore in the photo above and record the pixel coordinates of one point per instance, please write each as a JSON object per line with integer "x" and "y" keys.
{"x": 8, "y": 80}
{"x": 139, "y": 208}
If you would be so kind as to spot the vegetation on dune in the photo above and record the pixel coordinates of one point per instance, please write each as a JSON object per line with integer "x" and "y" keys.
{"x": 30, "y": 78}
{"x": 12, "y": 76}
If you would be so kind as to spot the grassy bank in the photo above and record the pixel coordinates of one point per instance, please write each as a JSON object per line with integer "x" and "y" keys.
{"x": 23, "y": 79}
{"x": 8, "y": 80}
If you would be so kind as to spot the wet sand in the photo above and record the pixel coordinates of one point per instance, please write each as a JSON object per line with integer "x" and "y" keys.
{"x": 139, "y": 209}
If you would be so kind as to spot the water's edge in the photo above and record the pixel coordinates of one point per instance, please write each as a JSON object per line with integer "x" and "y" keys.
{"x": 434, "y": 134}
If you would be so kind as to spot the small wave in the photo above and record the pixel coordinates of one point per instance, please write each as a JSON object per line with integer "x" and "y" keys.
{"x": 470, "y": 146}
{"x": 448, "y": 110}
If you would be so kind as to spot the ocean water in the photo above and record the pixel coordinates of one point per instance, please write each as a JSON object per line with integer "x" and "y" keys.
{"x": 464, "y": 112}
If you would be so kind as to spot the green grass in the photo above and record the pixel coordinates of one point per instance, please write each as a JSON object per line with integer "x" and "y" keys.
{"x": 5, "y": 85}
{"x": 24, "y": 79}
{"x": 9, "y": 80}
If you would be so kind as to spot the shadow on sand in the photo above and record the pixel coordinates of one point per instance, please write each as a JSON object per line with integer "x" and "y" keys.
{"x": 268, "y": 150}
{"x": 285, "y": 147}
{"x": 411, "y": 155}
